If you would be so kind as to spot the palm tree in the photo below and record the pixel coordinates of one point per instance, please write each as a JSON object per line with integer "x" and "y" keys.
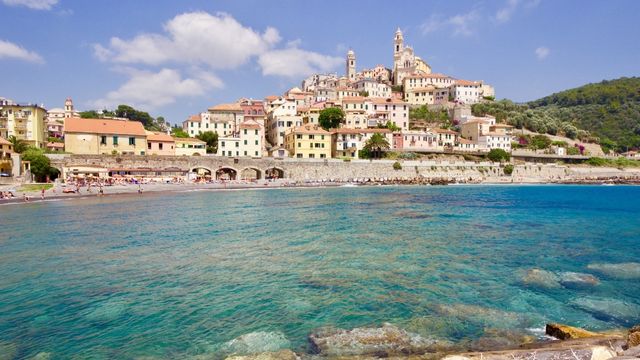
{"x": 18, "y": 145}
{"x": 376, "y": 145}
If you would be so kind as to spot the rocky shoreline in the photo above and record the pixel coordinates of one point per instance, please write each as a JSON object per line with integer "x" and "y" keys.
{"x": 391, "y": 342}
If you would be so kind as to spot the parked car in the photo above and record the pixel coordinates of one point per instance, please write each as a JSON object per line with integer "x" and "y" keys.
{"x": 5, "y": 175}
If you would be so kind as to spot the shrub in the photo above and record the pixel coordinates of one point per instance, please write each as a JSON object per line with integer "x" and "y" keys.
{"x": 573, "y": 151}
{"x": 596, "y": 161}
{"x": 498, "y": 155}
{"x": 508, "y": 169}
{"x": 397, "y": 166}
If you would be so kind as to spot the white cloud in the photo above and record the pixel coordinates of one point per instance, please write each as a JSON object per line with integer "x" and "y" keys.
{"x": 199, "y": 38}
{"x": 458, "y": 25}
{"x": 32, "y": 4}
{"x": 542, "y": 52}
{"x": 11, "y": 50}
{"x": 505, "y": 13}
{"x": 150, "y": 90}
{"x": 294, "y": 62}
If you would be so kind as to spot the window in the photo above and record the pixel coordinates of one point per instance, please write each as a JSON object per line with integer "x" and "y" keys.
{"x": 245, "y": 142}
{"x": 149, "y": 145}
{"x": 132, "y": 141}
{"x": 299, "y": 156}
{"x": 222, "y": 152}
{"x": 103, "y": 140}
{"x": 245, "y": 153}
{"x": 115, "y": 140}
{"x": 237, "y": 144}
{"x": 221, "y": 143}
{"x": 256, "y": 153}
{"x": 312, "y": 156}
{"x": 245, "y": 132}
{"x": 256, "y": 142}
{"x": 323, "y": 156}
{"x": 311, "y": 137}
{"x": 160, "y": 146}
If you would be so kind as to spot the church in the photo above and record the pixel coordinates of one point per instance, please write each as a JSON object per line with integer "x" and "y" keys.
{"x": 405, "y": 62}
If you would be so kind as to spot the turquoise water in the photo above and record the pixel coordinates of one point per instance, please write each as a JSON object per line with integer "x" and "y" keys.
{"x": 181, "y": 274}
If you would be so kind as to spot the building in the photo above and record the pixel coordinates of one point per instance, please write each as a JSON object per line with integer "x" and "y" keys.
{"x": 159, "y": 143}
{"x": 487, "y": 134}
{"x": 420, "y": 141}
{"x": 6, "y": 149}
{"x": 429, "y": 95}
{"x": 25, "y": 122}
{"x": 423, "y": 80}
{"x": 247, "y": 143}
{"x": 390, "y": 110}
{"x": 224, "y": 118}
{"x": 190, "y": 146}
{"x": 55, "y": 146}
{"x": 350, "y": 70}
{"x": 466, "y": 92}
{"x": 104, "y": 136}
{"x": 347, "y": 143}
{"x": 405, "y": 62}
{"x": 447, "y": 139}
{"x": 372, "y": 88}
{"x": 193, "y": 125}
{"x": 308, "y": 142}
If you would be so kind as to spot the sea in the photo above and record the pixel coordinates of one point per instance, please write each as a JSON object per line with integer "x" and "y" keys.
{"x": 184, "y": 275}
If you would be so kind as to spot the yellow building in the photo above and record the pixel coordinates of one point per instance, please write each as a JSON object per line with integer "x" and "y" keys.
{"x": 25, "y": 122}
{"x": 6, "y": 148}
{"x": 190, "y": 146}
{"x": 104, "y": 136}
{"x": 308, "y": 142}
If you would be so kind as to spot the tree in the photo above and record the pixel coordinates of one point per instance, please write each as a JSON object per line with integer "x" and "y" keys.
{"x": 498, "y": 155}
{"x": 539, "y": 142}
{"x": 376, "y": 145}
{"x": 508, "y": 169}
{"x": 90, "y": 114}
{"x": 39, "y": 163}
{"x": 331, "y": 118}
{"x": 211, "y": 138}
{"x": 178, "y": 132}
{"x": 18, "y": 145}
{"x": 391, "y": 126}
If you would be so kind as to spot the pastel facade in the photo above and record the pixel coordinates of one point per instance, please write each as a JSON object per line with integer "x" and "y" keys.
{"x": 447, "y": 139}
{"x": 225, "y": 118}
{"x": 466, "y": 92}
{"x": 429, "y": 95}
{"x": 347, "y": 143}
{"x": 373, "y": 88}
{"x": 190, "y": 146}
{"x": 424, "y": 80}
{"x": 390, "y": 110}
{"x": 104, "y": 136}
{"x": 308, "y": 142}
{"x": 487, "y": 134}
{"x": 159, "y": 143}
{"x": 419, "y": 141}
{"x": 6, "y": 149}
{"x": 247, "y": 143}
{"x": 25, "y": 122}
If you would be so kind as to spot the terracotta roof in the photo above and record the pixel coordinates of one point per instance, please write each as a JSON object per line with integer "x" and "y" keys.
{"x": 302, "y": 108}
{"x": 158, "y": 136}
{"x": 427, "y": 88}
{"x": 467, "y": 83}
{"x": 271, "y": 97}
{"x": 226, "y": 107}
{"x": 502, "y": 126}
{"x": 310, "y": 129}
{"x": 353, "y": 99}
{"x": 195, "y": 118}
{"x": 4, "y": 141}
{"x": 476, "y": 121}
{"x": 103, "y": 126}
{"x": 191, "y": 140}
{"x": 465, "y": 141}
{"x": 494, "y": 134}
{"x": 429, "y": 76}
{"x": 55, "y": 145}
{"x": 249, "y": 124}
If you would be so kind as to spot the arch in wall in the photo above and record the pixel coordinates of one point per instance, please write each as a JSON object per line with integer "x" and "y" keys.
{"x": 274, "y": 172}
{"x": 226, "y": 173}
{"x": 250, "y": 173}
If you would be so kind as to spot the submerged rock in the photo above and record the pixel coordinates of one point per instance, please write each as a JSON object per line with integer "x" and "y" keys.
{"x": 387, "y": 340}
{"x": 106, "y": 311}
{"x": 42, "y": 356}
{"x": 607, "y": 308}
{"x": 496, "y": 339}
{"x": 255, "y": 343}
{"x": 634, "y": 336}
{"x": 574, "y": 279}
{"x": 541, "y": 278}
{"x": 630, "y": 270}
{"x": 8, "y": 351}
{"x": 566, "y": 332}
{"x": 584, "y": 353}
{"x": 480, "y": 315}
{"x": 279, "y": 355}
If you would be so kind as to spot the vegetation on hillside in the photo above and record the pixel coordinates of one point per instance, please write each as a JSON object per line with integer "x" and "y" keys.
{"x": 128, "y": 112}
{"x": 331, "y": 118}
{"x": 609, "y": 110}
{"x": 423, "y": 113}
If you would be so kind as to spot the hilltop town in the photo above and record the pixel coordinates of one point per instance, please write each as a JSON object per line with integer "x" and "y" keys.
{"x": 361, "y": 114}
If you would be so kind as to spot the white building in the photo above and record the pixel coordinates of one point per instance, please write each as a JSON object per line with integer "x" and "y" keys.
{"x": 487, "y": 135}
{"x": 466, "y": 92}
{"x": 372, "y": 88}
{"x": 248, "y": 142}
{"x": 424, "y": 80}
{"x": 429, "y": 95}
{"x": 348, "y": 142}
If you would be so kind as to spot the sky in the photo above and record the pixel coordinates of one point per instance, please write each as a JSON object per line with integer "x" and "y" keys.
{"x": 176, "y": 58}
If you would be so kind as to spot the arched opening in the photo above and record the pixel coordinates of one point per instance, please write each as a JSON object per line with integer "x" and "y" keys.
{"x": 250, "y": 174}
{"x": 200, "y": 173}
{"x": 274, "y": 173}
{"x": 226, "y": 173}
{"x": 53, "y": 174}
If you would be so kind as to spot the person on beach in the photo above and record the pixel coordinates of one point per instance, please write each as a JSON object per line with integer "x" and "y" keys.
{"x": 139, "y": 188}
{"x": 42, "y": 194}
{"x": 25, "y": 197}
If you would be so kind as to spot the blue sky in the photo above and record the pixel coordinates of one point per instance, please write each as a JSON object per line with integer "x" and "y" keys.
{"x": 176, "y": 58}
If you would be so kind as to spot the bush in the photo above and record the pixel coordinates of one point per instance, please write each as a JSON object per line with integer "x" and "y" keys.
{"x": 397, "y": 166}
{"x": 573, "y": 151}
{"x": 540, "y": 142}
{"x": 498, "y": 155}
{"x": 596, "y": 161}
{"x": 508, "y": 169}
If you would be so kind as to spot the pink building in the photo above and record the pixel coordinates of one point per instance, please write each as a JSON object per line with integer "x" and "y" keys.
{"x": 159, "y": 143}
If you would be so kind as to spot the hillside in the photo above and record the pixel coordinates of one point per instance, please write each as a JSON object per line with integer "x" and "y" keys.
{"x": 608, "y": 111}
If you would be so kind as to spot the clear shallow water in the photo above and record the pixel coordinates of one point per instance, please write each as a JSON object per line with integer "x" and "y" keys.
{"x": 181, "y": 274}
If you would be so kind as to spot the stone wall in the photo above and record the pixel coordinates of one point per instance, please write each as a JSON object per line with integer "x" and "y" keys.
{"x": 318, "y": 169}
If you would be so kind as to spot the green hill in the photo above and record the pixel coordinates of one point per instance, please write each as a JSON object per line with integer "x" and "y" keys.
{"x": 608, "y": 111}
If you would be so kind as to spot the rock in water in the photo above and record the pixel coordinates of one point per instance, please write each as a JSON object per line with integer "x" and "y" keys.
{"x": 387, "y": 340}
{"x": 608, "y": 309}
{"x": 574, "y": 279}
{"x": 280, "y": 355}
{"x": 106, "y": 311}
{"x": 42, "y": 356}
{"x": 634, "y": 336}
{"x": 255, "y": 343}
{"x": 630, "y": 270}
{"x": 566, "y": 332}
{"x": 541, "y": 278}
